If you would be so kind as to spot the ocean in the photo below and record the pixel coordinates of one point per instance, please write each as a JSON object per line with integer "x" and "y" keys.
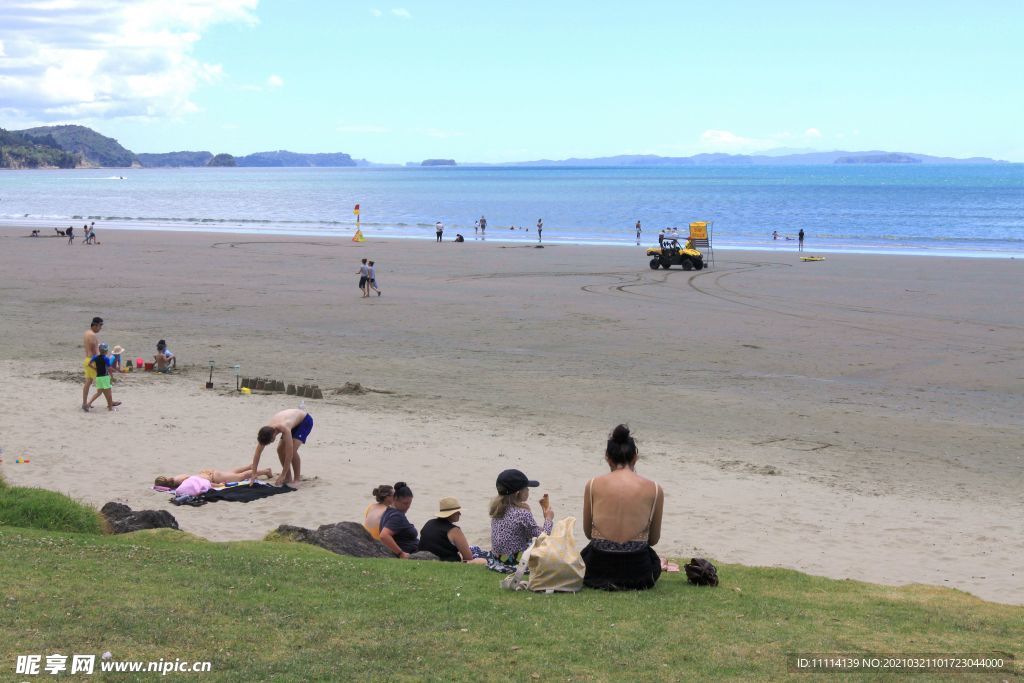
{"x": 909, "y": 209}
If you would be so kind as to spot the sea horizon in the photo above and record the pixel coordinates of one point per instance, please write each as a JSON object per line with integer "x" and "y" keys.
{"x": 969, "y": 211}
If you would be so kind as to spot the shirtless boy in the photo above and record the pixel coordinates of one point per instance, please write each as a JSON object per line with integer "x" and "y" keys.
{"x": 91, "y": 343}
{"x": 294, "y": 426}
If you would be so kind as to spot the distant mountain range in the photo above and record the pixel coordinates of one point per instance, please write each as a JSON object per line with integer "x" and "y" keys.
{"x": 766, "y": 159}
{"x": 81, "y": 147}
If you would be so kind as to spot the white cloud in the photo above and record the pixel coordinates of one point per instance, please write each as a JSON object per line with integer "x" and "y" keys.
{"x": 376, "y": 12}
{"x": 2, "y": 53}
{"x": 812, "y": 133}
{"x": 401, "y": 13}
{"x": 275, "y": 81}
{"x": 66, "y": 60}
{"x": 361, "y": 128}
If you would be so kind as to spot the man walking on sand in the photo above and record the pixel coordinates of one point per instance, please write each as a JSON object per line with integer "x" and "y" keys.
{"x": 540, "y": 229}
{"x": 91, "y": 344}
{"x": 294, "y": 426}
{"x": 439, "y": 229}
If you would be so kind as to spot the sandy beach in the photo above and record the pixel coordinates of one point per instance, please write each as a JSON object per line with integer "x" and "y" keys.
{"x": 855, "y": 418}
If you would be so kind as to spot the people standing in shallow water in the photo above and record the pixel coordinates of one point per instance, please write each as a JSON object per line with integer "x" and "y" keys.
{"x": 397, "y": 533}
{"x": 622, "y": 518}
{"x": 800, "y": 236}
{"x": 385, "y": 496}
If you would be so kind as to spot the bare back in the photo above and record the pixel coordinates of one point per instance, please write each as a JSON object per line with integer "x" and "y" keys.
{"x": 623, "y": 506}
{"x": 287, "y": 420}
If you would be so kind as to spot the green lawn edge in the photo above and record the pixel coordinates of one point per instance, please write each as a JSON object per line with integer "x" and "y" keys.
{"x": 279, "y": 610}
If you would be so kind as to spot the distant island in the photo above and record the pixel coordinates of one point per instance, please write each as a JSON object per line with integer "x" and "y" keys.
{"x": 82, "y": 147}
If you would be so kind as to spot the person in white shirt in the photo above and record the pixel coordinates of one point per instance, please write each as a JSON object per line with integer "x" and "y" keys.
{"x": 439, "y": 229}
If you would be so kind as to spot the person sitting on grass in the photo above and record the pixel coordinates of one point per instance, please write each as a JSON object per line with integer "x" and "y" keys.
{"x": 513, "y": 526}
{"x": 441, "y": 537}
{"x": 385, "y": 496}
{"x": 213, "y": 476}
{"x": 622, "y": 518}
{"x": 164, "y": 360}
{"x": 99, "y": 365}
{"x": 397, "y": 533}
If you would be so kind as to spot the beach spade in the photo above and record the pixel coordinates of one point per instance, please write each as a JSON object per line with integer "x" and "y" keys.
{"x": 209, "y": 385}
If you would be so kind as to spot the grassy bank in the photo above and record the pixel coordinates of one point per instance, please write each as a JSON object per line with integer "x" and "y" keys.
{"x": 284, "y": 611}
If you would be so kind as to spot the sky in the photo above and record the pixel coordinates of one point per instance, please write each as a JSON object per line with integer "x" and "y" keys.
{"x": 405, "y": 80}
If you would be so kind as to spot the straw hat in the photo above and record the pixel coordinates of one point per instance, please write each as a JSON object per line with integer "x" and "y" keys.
{"x": 118, "y": 350}
{"x": 448, "y": 507}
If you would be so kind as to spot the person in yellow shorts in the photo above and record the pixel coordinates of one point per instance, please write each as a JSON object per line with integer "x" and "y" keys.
{"x": 90, "y": 343}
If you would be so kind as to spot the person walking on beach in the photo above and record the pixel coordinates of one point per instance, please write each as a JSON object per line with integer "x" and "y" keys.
{"x": 638, "y": 232}
{"x": 91, "y": 344}
{"x": 364, "y": 279}
{"x": 100, "y": 365}
{"x": 294, "y": 425}
{"x": 439, "y": 229}
{"x": 476, "y": 227}
{"x": 483, "y": 225}
{"x": 800, "y": 236}
{"x": 71, "y": 234}
{"x": 372, "y": 275}
{"x": 540, "y": 228}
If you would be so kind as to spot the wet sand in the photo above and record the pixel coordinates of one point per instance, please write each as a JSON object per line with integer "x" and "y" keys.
{"x": 857, "y": 417}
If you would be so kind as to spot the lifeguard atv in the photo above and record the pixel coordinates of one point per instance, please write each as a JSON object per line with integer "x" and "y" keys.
{"x": 671, "y": 253}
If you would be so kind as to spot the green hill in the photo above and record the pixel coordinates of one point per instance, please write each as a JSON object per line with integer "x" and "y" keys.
{"x": 222, "y": 160}
{"x": 22, "y": 151}
{"x": 95, "y": 149}
{"x": 174, "y": 159}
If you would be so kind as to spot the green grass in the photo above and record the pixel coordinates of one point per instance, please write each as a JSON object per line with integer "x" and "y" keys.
{"x": 41, "y": 509}
{"x": 292, "y": 612}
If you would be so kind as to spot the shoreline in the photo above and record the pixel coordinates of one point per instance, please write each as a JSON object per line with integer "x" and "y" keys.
{"x": 49, "y": 224}
{"x": 817, "y": 417}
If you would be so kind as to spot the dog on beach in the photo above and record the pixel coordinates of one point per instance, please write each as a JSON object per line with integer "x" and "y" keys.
{"x": 61, "y": 232}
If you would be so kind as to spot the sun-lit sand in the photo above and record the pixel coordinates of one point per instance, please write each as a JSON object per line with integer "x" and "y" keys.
{"x": 857, "y": 417}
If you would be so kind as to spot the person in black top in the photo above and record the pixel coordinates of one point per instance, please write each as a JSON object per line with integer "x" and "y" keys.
{"x": 396, "y": 531}
{"x": 441, "y": 537}
{"x": 800, "y": 236}
{"x": 101, "y": 363}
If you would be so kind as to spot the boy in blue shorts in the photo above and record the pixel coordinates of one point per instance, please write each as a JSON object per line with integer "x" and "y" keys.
{"x": 294, "y": 426}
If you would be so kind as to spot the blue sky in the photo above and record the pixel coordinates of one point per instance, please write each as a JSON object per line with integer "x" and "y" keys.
{"x": 405, "y": 81}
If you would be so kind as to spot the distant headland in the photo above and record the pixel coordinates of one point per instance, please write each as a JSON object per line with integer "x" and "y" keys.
{"x": 82, "y": 147}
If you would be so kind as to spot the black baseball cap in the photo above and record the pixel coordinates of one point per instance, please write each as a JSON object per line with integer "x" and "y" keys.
{"x": 511, "y": 481}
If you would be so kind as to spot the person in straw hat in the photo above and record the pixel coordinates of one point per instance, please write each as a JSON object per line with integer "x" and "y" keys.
{"x": 441, "y": 537}
{"x": 115, "y": 358}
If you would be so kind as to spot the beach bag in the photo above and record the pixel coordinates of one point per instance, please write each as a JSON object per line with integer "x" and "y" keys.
{"x": 701, "y": 572}
{"x": 517, "y": 580}
{"x": 555, "y": 564}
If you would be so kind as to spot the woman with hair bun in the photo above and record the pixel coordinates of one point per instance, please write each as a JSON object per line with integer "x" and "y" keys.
{"x": 622, "y": 518}
{"x": 385, "y": 496}
{"x": 397, "y": 533}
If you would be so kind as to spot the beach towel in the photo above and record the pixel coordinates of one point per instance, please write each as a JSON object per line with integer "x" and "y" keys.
{"x": 244, "y": 494}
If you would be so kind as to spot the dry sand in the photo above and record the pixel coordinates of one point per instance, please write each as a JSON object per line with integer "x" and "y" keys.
{"x": 857, "y": 417}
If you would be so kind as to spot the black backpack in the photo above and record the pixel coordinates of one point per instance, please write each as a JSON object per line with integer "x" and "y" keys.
{"x": 701, "y": 572}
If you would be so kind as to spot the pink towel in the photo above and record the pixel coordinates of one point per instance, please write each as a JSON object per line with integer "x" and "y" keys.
{"x": 193, "y": 486}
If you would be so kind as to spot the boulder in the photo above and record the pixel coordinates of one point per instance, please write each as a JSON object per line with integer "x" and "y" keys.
{"x": 344, "y": 538}
{"x": 122, "y": 519}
